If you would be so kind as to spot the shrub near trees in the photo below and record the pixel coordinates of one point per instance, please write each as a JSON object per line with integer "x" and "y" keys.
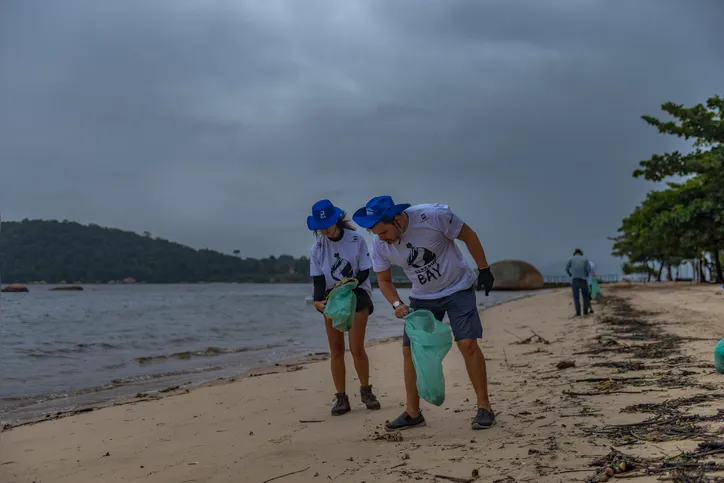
{"x": 686, "y": 220}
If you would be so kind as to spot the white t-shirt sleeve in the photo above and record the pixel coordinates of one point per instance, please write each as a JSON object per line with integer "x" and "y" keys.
{"x": 315, "y": 267}
{"x": 380, "y": 263}
{"x": 363, "y": 262}
{"x": 446, "y": 221}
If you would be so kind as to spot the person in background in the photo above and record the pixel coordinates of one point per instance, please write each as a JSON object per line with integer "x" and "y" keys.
{"x": 340, "y": 252}
{"x": 421, "y": 240}
{"x": 579, "y": 268}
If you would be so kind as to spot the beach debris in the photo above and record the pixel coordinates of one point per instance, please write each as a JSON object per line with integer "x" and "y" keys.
{"x": 622, "y": 366}
{"x": 614, "y": 463}
{"x": 286, "y": 474}
{"x": 674, "y": 426}
{"x": 535, "y": 339}
{"x": 672, "y": 406}
{"x": 475, "y": 476}
{"x": 565, "y": 365}
{"x": 394, "y": 436}
{"x": 304, "y": 421}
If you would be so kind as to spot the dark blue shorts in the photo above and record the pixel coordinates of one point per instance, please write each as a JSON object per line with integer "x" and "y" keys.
{"x": 462, "y": 311}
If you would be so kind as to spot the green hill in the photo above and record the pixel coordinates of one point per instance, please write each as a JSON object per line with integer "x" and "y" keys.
{"x": 55, "y": 251}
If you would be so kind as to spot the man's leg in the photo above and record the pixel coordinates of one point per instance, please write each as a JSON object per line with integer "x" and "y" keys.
{"x": 576, "y": 301}
{"x": 462, "y": 310}
{"x": 412, "y": 417}
{"x": 413, "y": 399}
{"x": 586, "y": 297}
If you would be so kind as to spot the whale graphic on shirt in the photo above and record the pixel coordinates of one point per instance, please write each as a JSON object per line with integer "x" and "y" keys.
{"x": 419, "y": 256}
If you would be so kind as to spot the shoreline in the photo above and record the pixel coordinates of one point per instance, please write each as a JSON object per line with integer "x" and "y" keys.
{"x": 634, "y": 384}
{"x": 289, "y": 364}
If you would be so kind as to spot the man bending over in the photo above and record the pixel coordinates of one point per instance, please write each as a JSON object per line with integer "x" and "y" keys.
{"x": 421, "y": 240}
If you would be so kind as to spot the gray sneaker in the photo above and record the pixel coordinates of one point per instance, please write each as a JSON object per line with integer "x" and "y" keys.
{"x": 341, "y": 404}
{"x": 484, "y": 419}
{"x": 368, "y": 397}
{"x": 404, "y": 421}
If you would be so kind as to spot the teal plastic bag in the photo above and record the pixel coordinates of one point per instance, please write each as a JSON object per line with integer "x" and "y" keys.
{"x": 341, "y": 304}
{"x": 430, "y": 341}
{"x": 595, "y": 289}
{"x": 719, "y": 356}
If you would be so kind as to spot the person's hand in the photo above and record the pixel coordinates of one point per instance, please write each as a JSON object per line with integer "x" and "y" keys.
{"x": 401, "y": 311}
{"x": 485, "y": 280}
{"x": 320, "y": 305}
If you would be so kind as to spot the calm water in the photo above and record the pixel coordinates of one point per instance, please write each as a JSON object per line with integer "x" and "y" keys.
{"x": 64, "y": 350}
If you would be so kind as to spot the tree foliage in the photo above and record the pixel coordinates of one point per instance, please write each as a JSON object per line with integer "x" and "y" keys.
{"x": 685, "y": 220}
{"x": 55, "y": 251}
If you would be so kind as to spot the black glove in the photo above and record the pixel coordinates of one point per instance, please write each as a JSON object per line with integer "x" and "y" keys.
{"x": 485, "y": 279}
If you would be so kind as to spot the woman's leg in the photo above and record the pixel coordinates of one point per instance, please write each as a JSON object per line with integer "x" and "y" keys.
{"x": 359, "y": 355}
{"x": 336, "y": 350}
{"x": 357, "y": 346}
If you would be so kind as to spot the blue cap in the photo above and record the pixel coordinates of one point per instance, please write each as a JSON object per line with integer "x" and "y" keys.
{"x": 324, "y": 215}
{"x": 379, "y": 208}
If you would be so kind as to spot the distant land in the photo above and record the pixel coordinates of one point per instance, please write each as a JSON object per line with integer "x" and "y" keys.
{"x": 69, "y": 252}
{"x": 56, "y": 252}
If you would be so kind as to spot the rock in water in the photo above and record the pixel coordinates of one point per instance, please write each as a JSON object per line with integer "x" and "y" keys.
{"x": 15, "y": 287}
{"x": 516, "y": 275}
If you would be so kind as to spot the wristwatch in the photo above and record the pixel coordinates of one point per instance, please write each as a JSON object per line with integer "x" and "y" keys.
{"x": 396, "y": 304}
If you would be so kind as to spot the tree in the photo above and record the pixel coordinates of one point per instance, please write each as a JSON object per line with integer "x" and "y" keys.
{"x": 689, "y": 220}
{"x": 651, "y": 237}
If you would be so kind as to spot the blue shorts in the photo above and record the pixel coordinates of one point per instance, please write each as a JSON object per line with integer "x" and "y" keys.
{"x": 462, "y": 311}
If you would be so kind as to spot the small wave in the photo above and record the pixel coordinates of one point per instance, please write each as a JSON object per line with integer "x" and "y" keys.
{"x": 208, "y": 352}
{"x": 184, "y": 340}
{"x": 65, "y": 352}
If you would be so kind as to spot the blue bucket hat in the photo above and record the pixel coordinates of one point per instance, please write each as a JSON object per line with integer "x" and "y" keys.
{"x": 379, "y": 208}
{"x": 324, "y": 215}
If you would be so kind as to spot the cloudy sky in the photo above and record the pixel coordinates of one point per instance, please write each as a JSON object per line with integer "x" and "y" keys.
{"x": 218, "y": 124}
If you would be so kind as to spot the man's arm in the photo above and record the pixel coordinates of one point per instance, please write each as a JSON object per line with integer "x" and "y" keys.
{"x": 384, "y": 281}
{"x": 568, "y": 268}
{"x": 471, "y": 240}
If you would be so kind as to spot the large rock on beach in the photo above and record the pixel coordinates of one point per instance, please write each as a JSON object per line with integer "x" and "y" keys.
{"x": 516, "y": 275}
{"x": 14, "y": 288}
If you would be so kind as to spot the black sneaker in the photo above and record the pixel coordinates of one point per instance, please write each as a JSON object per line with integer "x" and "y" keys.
{"x": 368, "y": 397}
{"x": 484, "y": 419}
{"x": 341, "y": 404}
{"x": 404, "y": 421}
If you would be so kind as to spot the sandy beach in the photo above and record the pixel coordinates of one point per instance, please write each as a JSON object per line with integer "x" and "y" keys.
{"x": 566, "y": 392}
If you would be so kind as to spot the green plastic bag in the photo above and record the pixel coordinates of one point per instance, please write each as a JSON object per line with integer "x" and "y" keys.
{"x": 430, "y": 341}
{"x": 595, "y": 289}
{"x": 719, "y": 356}
{"x": 341, "y": 305}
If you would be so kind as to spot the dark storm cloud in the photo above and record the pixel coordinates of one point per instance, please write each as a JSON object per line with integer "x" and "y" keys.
{"x": 219, "y": 123}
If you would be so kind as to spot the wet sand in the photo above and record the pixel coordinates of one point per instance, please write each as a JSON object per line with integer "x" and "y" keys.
{"x": 645, "y": 346}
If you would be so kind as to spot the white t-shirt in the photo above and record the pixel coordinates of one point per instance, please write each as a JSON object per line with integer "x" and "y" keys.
{"x": 427, "y": 253}
{"x": 339, "y": 259}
